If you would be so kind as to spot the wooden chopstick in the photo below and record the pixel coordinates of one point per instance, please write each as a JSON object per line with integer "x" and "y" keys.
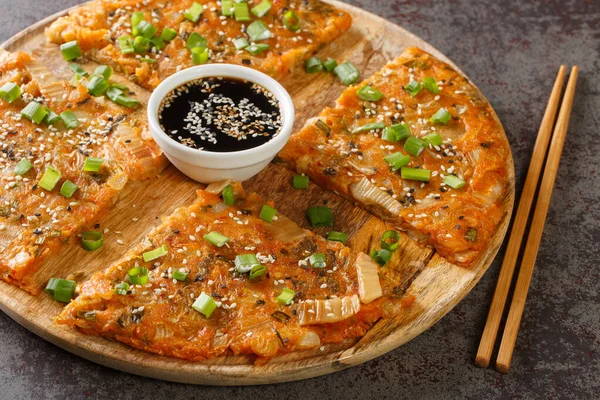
{"x": 488, "y": 338}
{"x": 537, "y": 226}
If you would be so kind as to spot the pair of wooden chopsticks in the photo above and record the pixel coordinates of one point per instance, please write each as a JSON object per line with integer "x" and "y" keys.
{"x": 545, "y": 133}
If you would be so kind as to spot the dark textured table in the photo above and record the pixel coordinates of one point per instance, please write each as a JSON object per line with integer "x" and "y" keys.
{"x": 512, "y": 51}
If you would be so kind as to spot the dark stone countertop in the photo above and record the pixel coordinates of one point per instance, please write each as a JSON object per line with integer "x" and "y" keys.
{"x": 511, "y": 50}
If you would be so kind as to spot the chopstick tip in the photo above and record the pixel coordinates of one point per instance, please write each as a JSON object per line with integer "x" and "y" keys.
{"x": 502, "y": 368}
{"x": 482, "y": 362}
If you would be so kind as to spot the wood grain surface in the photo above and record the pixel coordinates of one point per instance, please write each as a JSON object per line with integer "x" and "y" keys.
{"x": 437, "y": 284}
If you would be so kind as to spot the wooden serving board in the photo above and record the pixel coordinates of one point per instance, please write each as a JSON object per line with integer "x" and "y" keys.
{"x": 436, "y": 284}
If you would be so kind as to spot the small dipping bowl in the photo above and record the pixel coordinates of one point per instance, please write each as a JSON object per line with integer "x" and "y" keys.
{"x": 208, "y": 166}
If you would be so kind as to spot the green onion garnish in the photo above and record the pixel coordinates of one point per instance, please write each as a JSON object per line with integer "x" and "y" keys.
{"x": 92, "y": 240}
{"x": 258, "y": 31}
{"x": 51, "y": 117}
{"x": 68, "y": 188}
{"x": 471, "y": 234}
{"x": 454, "y": 181}
{"x": 267, "y": 213}
{"x": 291, "y": 21}
{"x": 194, "y": 12}
{"x": 381, "y": 257}
{"x": 262, "y": 8}
{"x": 103, "y": 70}
{"x": 347, "y": 73}
{"x": 257, "y": 48}
{"x": 23, "y": 167}
{"x": 300, "y": 182}
{"x": 205, "y": 305}
{"x": 78, "y": 70}
{"x": 50, "y": 178}
{"x": 337, "y": 236}
{"x": 390, "y": 240}
{"x": 199, "y": 55}
{"x": 126, "y": 44}
{"x": 92, "y": 164}
{"x": 442, "y": 116}
{"x": 97, "y": 86}
{"x": 240, "y": 11}
{"x": 60, "y": 289}
{"x": 413, "y": 88}
{"x": 286, "y": 297}
{"x": 317, "y": 260}
{"x": 433, "y": 138}
{"x": 329, "y": 64}
{"x": 313, "y": 65}
{"x": 69, "y": 119}
{"x": 430, "y": 84}
{"x": 168, "y": 34}
{"x": 241, "y": 43}
{"x": 51, "y": 285}
{"x": 414, "y": 146}
{"x": 158, "y": 43}
{"x": 113, "y": 93}
{"x": 257, "y": 271}
{"x": 415, "y": 174}
{"x": 138, "y": 275}
{"x": 369, "y": 93}
{"x": 228, "y": 197}
{"x": 70, "y": 50}
{"x": 179, "y": 275}
{"x": 195, "y": 40}
{"x": 320, "y": 216}
{"x": 397, "y": 160}
{"x": 215, "y": 238}
{"x": 227, "y": 8}
{"x": 369, "y": 127}
{"x": 141, "y": 44}
{"x": 155, "y": 253}
{"x": 122, "y": 288}
{"x": 245, "y": 262}
{"x": 396, "y": 132}
{"x": 145, "y": 29}
{"x": 34, "y": 111}
{"x": 136, "y": 18}
{"x": 10, "y": 91}
{"x": 127, "y": 101}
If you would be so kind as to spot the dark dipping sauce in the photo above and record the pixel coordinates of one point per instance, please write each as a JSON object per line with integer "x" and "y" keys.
{"x": 220, "y": 114}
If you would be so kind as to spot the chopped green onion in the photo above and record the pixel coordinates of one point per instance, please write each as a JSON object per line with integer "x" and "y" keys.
{"x": 51, "y": 117}
{"x": 347, "y": 73}
{"x": 329, "y": 64}
{"x": 369, "y": 127}
{"x": 313, "y": 65}
{"x": 415, "y": 174}
{"x": 414, "y": 146}
{"x": 471, "y": 234}
{"x": 168, "y": 34}
{"x": 257, "y": 48}
{"x": 320, "y": 216}
{"x": 10, "y": 91}
{"x": 267, "y": 213}
{"x": 103, "y": 70}
{"x": 241, "y": 43}
{"x": 337, "y": 236}
{"x": 113, "y": 93}
{"x": 158, "y": 43}
{"x": 120, "y": 86}
{"x": 382, "y": 256}
{"x": 300, "y": 182}
{"x": 194, "y": 12}
{"x": 70, "y": 50}
{"x": 34, "y": 111}
{"x": 286, "y": 297}
{"x": 78, "y": 70}
{"x": 50, "y": 178}
{"x": 97, "y": 86}
{"x": 69, "y": 119}
{"x": 127, "y": 101}
{"x": 136, "y": 18}
{"x": 92, "y": 164}
{"x": 262, "y": 8}
{"x": 155, "y": 253}
{"x": 369, "y": 93}
{"x": 122, "y": 288}
{"x": 258, "y": 31}
{"x": 240, "y": 11}
{"x": 227, "y": 8}
{"x": 61, "y": 289}
{"x": 141, "y": 44}
{"x": 317, "y": 260}
{"x": 228, "y": 196}
{"x": 199, "y": 55}
{"x": 430, "y": 84}
{"x": 390, "y": 240}
{"x": 145, "y": 29}
{"x": 68, "y": 188}
{"x": 433, "y": 138}
{"x": 138, "y": 275}
{"x": 92, "y": 240}
{"x": 126, "y": 44}
{"x": 245, "y": 262}
{"x": 291, "y": 21}
{"x": 205, "y": 305}
{"x": 413, "y": 88}
{"x": 23, "y": 167}
{"x": 215, "y": 238}
{"x": 195, "y": 40}
{"x": 397, "y": 160}
{"x": 454, "y": 181}
{"x": 442, "y": 116}
{"x": 179, "y": 275}
{"x": 257, "y": 271}
{"x": 51, "y": 285}
{"x": 396, "y": 132}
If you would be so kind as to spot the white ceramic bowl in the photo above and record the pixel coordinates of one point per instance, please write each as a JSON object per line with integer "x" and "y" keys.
{"x": 208, "y": 166}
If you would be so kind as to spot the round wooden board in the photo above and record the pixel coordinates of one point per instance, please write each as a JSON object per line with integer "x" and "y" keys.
{"x": 437, "y": 285}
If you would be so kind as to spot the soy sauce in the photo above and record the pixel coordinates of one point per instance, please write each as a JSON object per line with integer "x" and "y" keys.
{"x": 220, "y": 114}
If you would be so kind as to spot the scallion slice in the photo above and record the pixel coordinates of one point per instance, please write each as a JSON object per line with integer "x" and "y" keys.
{"x": 70, "y": 50}
{"x": 257, "y": 271}
{"x": 51, "y": 117}
{"x": 396, "y": 133}
{"x": 199, "y": 55}
{"x": 138, "y": 275}
{"x": 23, "y": 167}
{"x": 50, "y": 178}
{"x": 258, "y": 31}
{"x": 141, "y": 44}
{"x": 97, "y": 86}
{"x": 122, "y": 288}
{"x": 228, "y": 197}
{"x": 227, "y": 8}
{"x": 262, "y": 8}
{"x": 179, "y": 275}
{"x": 215, "y": 238}
{"x": 320, "y": 216}
{"x": 397, "y": 160}
{"x": 68, "y": 188}
{"x": 205, "y": 305}
{"x": 414, "y": 146}
{"x": 369, "y": 127}
{"x": 195, "y": 40}
{"x": 145, "y": 29}
{"x": 413, "y": 87}
{"x": 291, "y": 21}
{"x": 10, "y": 91}
{"x": 241, "y": 12}
{"x": 245, "y": 262}
{"x": 300, "y": 182}
{"x": 168, "y": 34}
{"x": 194, "y": 12}
{"x": 51, "y": 285}
{"x": 113, "y": 93}
{"x": 103, "y": 70}
{"x": 69, "y": 119}
{"x": 415, "y": 174}
{"x": 286, "y": 297}
{"x": 267, "y": 213}
{"x": 34, "y": 111}
{"x": 155, "y": 253}
{"x": 329, "y": 64}
{"x": 92, "y": 240}
{"x": 126, "y": 44}
{"x": 257, "y": 48}
{"x": 430, "y": 84}
{"x": 381, "y": 256}
{"x": 433, "y": 138}
{"x": 61, "y": 289}
{"x": 347, "y": 73}
{"x": 390, "y": 240}
{"x": 441, "y": 116}
{"x": 369, "y": 93}
{"x": 136, "y": 18}
{"x": 317, "y": 260}
{"x": 78, "y": 70}
{"x": 454, "y": 181}
{"x": 127, "y": 101}
{"x": 92, "y": 164}
{"x": 337, "y": 236}
{"x": 241, "y": 43}
{"x": 314, "y": 64}
{"x": 158, "y": 43}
